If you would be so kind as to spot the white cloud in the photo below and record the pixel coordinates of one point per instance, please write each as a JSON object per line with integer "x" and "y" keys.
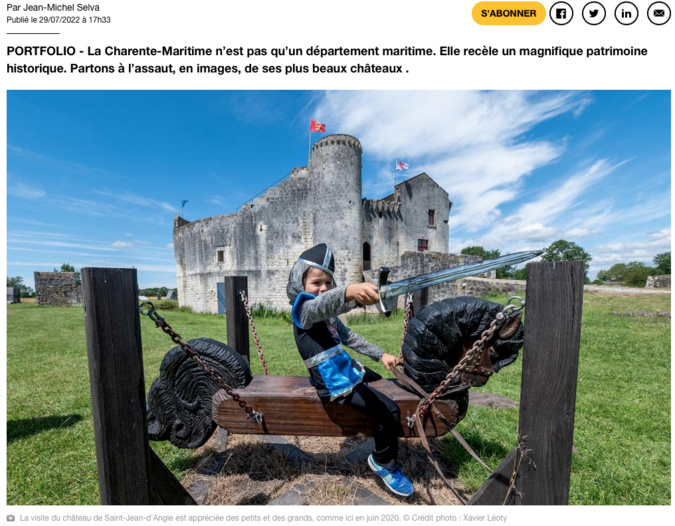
{"x": 25, "y": 191}
{"x": 169, "y": 245}
{"x": 28, "y": 222}
{"x": 218, "y": 201}
{"x": 542, "y": 220}
{"x": 578, "y": 232}
{"x": 642, "y": 250}
{"x": 147, "y": 202}
{"x": 87, "y": 246}
{"x": 54, "y": 163}
{"x": 128, "y": 244}
{"x": 474, "y": 144}
{"x": 393, "y": 124}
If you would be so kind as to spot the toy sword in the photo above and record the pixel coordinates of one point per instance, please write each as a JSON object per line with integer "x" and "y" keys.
{"x": 387, "y": 291}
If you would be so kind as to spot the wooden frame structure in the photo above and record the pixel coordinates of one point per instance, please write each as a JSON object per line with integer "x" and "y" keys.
{"x": 130, "y": 473}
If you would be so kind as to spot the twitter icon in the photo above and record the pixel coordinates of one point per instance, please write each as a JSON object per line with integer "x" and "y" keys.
{"x": 593, "y": 13}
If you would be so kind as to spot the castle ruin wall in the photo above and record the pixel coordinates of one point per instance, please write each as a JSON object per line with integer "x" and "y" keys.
{"x": 57, "y": 288}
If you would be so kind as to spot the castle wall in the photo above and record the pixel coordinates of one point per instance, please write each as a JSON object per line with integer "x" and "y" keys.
{"x": 260, "y": 241}
{"x": 320, "y": 203}
{"x": 417, "y": 196}
{"x": 381, "y": 222}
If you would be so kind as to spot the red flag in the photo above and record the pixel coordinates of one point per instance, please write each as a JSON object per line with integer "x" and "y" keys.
{"x": 316, "y": 126}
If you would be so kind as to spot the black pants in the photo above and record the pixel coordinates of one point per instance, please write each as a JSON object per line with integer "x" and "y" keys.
{"x": 386, "y": 421}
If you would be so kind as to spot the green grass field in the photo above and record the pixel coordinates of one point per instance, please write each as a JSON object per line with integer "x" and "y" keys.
{"x": 622, "y": 424}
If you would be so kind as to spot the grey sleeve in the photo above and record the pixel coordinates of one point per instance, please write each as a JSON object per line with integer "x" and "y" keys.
{"x": 358, "y": 343}
{"x": 327, "y": 305}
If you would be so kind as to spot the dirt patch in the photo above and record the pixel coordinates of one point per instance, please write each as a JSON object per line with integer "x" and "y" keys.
{"x": 257, "y": 473}
{"x": 623, "y": 291}
{"x": 643, "y": 313}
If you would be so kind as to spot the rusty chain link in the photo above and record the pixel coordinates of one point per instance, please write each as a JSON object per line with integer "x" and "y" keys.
{"x": 470, "y": 361}
{"x": 161, "y": 323}
{"x": 244, "y": 300}
{"x": 406, "y": 320}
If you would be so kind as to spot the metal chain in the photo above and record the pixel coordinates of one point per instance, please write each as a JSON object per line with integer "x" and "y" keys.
{"x": 471, "y": 359}
{"x": 244, "y": 300}
{"x": 406, "y": 320}
{"x": 176, "y": 338}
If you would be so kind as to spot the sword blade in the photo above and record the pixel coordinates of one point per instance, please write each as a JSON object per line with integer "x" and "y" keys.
{"x": 451, "y": 274}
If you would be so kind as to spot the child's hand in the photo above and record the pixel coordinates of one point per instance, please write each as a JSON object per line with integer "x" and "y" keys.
{"x": 390, "y": 361}
{"x": 363, "y": 293}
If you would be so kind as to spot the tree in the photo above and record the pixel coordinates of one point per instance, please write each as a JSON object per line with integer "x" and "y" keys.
{"x": 633, "y": 274}
{"x": 480, "y": 251}
{"x": 520, "y": 274}
{"x": 67, "y": 267}
{"x": 662, "y": 262}
{"x": 563, "y": 250}
{"x": 488, "y": 254}
{"x": 637, "y": 273}
{"x": 17, "y": 281}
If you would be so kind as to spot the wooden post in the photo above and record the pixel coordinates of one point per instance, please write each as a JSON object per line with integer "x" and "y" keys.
{"x": 117, "y": 385}
{"x": 237, "y": 322}
{"x": 554, "y": 297}
{"x": 128, "y": 471}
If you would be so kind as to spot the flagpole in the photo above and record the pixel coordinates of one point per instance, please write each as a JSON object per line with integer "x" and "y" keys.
{"x": 309, "y": 147}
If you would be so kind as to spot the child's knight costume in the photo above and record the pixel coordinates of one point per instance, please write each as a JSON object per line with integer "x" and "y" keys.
{"x": 319, "y": 334}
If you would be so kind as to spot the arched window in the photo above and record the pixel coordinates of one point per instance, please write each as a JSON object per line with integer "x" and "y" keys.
{"x": 366, "y": 256}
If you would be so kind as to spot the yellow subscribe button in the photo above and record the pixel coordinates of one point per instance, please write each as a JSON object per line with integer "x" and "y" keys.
{"x": 509, "y": 13}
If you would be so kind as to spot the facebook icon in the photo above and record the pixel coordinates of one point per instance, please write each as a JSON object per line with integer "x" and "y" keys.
{"x": 561, "y": 13}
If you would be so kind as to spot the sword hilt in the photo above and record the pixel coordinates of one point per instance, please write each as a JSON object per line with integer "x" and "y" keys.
{"x": 382, "y": 276}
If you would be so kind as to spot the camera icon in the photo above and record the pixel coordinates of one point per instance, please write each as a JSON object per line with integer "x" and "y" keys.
{"x": 10, "y": 518}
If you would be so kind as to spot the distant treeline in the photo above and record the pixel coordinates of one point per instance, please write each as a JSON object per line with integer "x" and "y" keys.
{"x": 157, "y": 291}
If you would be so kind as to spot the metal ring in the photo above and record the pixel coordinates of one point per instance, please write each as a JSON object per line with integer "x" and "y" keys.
{"x": 521, "y": 300}
{"x": 151, "y": 308}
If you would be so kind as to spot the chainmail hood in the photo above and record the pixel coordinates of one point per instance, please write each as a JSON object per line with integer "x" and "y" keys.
{"x": 319, "y": 256}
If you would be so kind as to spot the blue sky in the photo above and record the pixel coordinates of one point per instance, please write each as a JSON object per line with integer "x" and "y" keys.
{"x": 94, "y": 178}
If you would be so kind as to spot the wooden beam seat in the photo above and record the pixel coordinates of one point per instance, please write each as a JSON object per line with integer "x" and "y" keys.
{"x": 290, "y": 406}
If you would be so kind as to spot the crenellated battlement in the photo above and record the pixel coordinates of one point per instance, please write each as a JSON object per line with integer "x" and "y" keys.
{"x": 379, "y": 205}
{"x": 339, "y": 139}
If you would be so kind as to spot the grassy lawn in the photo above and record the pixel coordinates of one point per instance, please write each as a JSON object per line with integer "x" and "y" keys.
{"x": 622, "y": 423}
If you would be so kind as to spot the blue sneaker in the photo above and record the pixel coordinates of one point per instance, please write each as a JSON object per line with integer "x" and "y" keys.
{"x": 396, "y": 481}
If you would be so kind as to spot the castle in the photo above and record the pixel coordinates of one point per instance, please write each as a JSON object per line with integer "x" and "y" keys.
{"x": 321, "y": 202}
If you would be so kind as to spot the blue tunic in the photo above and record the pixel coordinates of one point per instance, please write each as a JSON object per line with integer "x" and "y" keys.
{"x": 332, "y": 371}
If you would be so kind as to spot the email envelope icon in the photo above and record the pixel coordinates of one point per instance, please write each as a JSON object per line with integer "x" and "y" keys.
{"x": 659, "y": 12}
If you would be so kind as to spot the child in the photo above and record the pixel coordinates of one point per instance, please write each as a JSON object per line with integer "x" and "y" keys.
{"x": 319, "y": 335}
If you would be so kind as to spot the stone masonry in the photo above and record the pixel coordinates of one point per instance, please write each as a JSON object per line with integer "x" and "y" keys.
{"x": 57, "y": 288}
{"x": 321, "y": 202}
{"x": 658, "y": 281}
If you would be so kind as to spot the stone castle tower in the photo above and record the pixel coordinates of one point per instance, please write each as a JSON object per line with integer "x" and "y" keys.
{"x": 318, "y": 203}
